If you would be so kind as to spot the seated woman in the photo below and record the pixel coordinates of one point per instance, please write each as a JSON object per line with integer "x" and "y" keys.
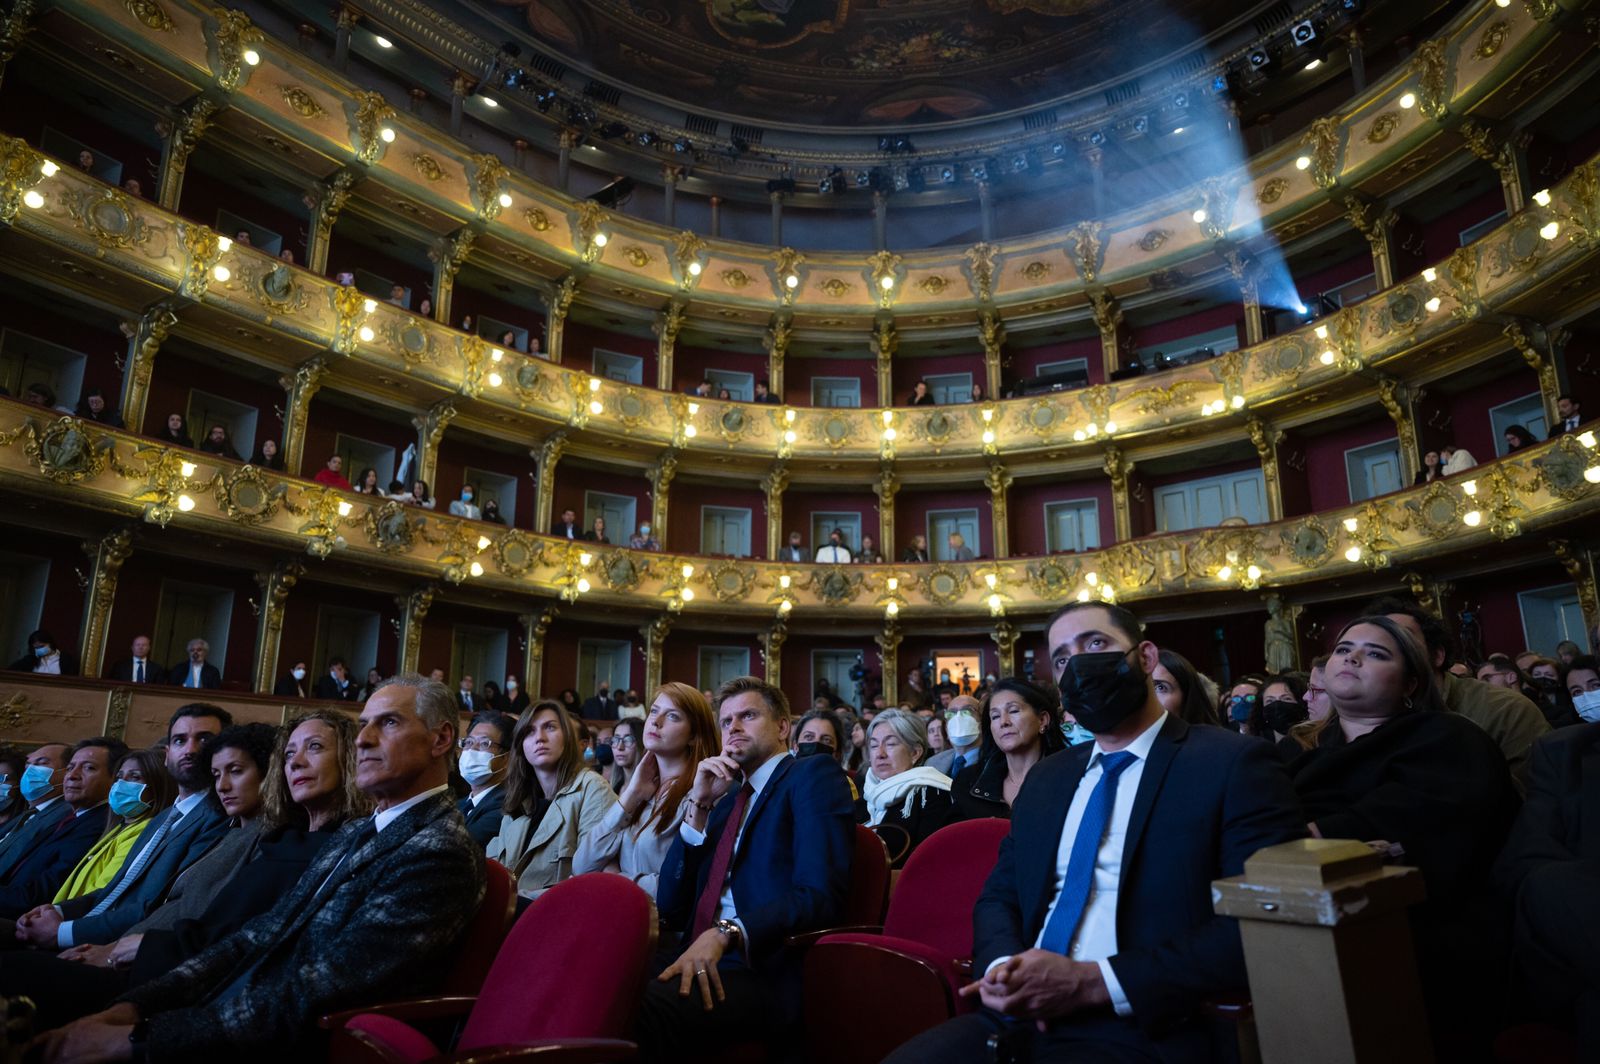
{"x": 1181, "y": 691}
{"x": 551, "y": 801}
{"x": 1241, "y": 704}
{"x": 1019, "y": 724}
{"x": 937, "y": 743}
{"x": 366, "y": 482}
{"x": 1283, "y": 709}
{"x": 1581, "y": 678}
{"x": 627, "y": 749}
{"x": 142, "y": 789}
{"x": 1391, "y": 766}
{"x": 906, "y": 800}
{"x": 267, "y": 455}
{"x": 633, "y": 837}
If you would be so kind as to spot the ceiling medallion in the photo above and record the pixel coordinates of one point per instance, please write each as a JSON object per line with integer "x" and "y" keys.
{"x": 1036, "y": 271}
{"x": 538, "y": 221}
{"x": 636, "y": 256}
{"x": 1273, "y": 190}
{"x": 1382, "y": 127}
{"x": 933, "y": 285}
{"x": 1492, "y": 40}
{"x": 835, "y": 287}
{"x": 301, "y": 102}
{"x": 735, "y": 278}
{"x": 427, "y": 166}
{"x": 1154, "y": 240}
{"x": 150, "y": 13}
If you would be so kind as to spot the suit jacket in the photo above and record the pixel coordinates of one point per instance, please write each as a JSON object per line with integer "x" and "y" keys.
{"x": 210, "y": 678}
{"x": 154, "y": 672}
{"x": 483, "y": 820}
{"x": 562, "y": 529}
{"x": 376, "y": 916}
{"x": 327, "y": 687}
{"x": 791, "y": 871}
{"x": 289, "y": 687}
{"x": 794, "y": 554}
{"x": 41, "y": 869}
{"x": 200, "y": 829}
{"x": 598, "y": 708}
{"x": 26, "y": 663}
{"x": 1207, "y": 799}
{"x": 478, "y": 704}
{"x": 22, "y": 838}
{"x": 1560, "y": 821}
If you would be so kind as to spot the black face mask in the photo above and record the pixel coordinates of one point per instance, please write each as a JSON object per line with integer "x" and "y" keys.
{"x": 1281, "y": 716}
{"x": 813, "y": 750}
{"x": 1103, "y": 690}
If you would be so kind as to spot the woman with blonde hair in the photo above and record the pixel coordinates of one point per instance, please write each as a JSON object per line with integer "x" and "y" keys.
{"x": 311, "y": 782}
{"x": 551, "y": 799}
{"x": 680, "y": 731}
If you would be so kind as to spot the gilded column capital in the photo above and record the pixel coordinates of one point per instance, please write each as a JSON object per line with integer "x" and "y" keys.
{"x": 372, "y": 111}
{"x": 449, "y": 254}
{"x": 275, "y": 585}
{"x": 414, "y": 609}
{"x": 1521, "y": 335}
{"x": 17, "y": 24}
{"x": 772, "y": 641}
{"x": 106, "y": 557}
{"x": 1087, "y": 249}
{"x": 145, "y": 337}
{"x": 655, "y": 633}
{"x": 980, "y": 267}
{"x": 888, "y": 639}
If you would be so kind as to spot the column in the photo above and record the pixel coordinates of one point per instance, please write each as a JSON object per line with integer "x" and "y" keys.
{"x": 997, "y": 480}
{"x": 448, "y": 254}
{"x": 888, "y": 642}
{"x": 716, "y": 215}
{"x": 430, "y": 426}
{"x": 992, "y": 334}
{"x": 1523, "y": 336}
{"x": 880, "y": 220}
{"x": 1266, "y": 440}
{"x": 460, "y": 85}
{"x": 145, "y": 337}
{"x": 985, "y": 212}
{"x": 183, "y": 135}
{"x": 778, "y": 335}
{"x": 1118, "y": 467}
{"x": 548, "y": 454}
{"x": 413, "y": 611}
{"x": 535, "y": 627}
{"x": 344, "y": 27}
{"x": 1376, "y": 223}
{"x": 108, "y": 554}
{"x": 777, "y": 218}
{"x": 1108, "y": 319}
{"x": 564, "y": 145}
{"x": 1004, "y": 634}
{"x": 1508, "y": 155}
{"x": 670, "y": 176}
{"x": 660, "y": 474}
{"x": 300, "y": 386}
{"x": 655, "y": 639}
{"x": 1579, "y": 562}
{"x": 324, "y": 212}
{"x": 885, "y": 342}
{"x": 888, "y": 484}
{"x": 275, "y": 585}
{"x": 773, "y": 483}
{"x": 1328, "y": 946}
{"x": 666, "y": 326}
{"x": 1399, "y": 402}
{"x": 556, "y": 318}
{"x": 772, "y": 651}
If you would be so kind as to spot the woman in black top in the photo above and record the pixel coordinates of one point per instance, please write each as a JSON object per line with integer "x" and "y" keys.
{"x": 268, "y": 456}
{"x": 1518, "y": 437}
{"x": 491, "y": 512}
{"x": 917, "y": 552}
{"x": 1021, "y": 727}
{"x": 177, "y": 432}
{"x": 919, "y": 395}
{"x": 1282, "y": 710}
{"x": 366, "y": 483}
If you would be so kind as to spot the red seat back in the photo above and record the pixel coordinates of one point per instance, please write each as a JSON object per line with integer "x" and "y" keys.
{"x": 484, "y": 934}
{"x": 945, "y": 875}
{"x": 571, "y": 967}
{"x": 869, "y": 881}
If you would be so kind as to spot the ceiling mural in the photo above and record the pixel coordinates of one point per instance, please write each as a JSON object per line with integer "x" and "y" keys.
{"x": 844, "y": 62}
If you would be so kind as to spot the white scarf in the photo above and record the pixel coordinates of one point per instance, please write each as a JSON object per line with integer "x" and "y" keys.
{"x": 880, "y": 794}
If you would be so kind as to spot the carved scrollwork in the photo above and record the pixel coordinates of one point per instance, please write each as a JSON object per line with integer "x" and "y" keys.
{"x": 427, "y": 167}
{"x": 1493, "y": 39}
{"x": 637, "y": 256}
{"x": 735, "y": 279}
{"x": 730, "y": 581}
{"x": 108, "y": 216}
{"x": 1431, "y": 66}
{"x": 1053, "y": 578}
{"x": 150, "y": 14}
{"x": 301, "y": 102}
{"x": 516, "y": 554}
{"x": 1310, "y": 543}
{"x": 1272, "y": 191}
{"x": 1438, "y": 512}
{"x": 943, "y": 585}
{"x": 247, "y": 496}
{"x": 537, "y": 220}
{"x": 1561, "y": 470}
{"x": 1383, "y": 127}
{"x": 1154, "y": 240}
{"x": 835, "y": 287}
{"x": 1160, "y": 400}
{"x": 65, "y": 450}
{"x": 836, "y": 585}
{"x": 1036, "y": 271}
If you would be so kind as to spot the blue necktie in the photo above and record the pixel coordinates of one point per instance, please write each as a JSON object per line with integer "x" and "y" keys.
{"x": 957, "y": 763}
{"x": 1063, "y": 923}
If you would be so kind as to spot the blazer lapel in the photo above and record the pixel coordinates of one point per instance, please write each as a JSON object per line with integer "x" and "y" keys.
{"x": 1155, "y": 772}
{"x": 762, "y": 800}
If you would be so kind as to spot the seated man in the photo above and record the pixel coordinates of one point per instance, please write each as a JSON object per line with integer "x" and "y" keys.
{"x": 41, "y": 863}
{"x": 1550, "y": 869}
{"x": 763, "y": 853}
{"x": 177, "y": 837}
{"x": 1095, "y": 934}
{"x": 484, "y": 764}
{"x": 195, "y": 671}
{"x": 332, "y": 474}
{"x": 40, "y": 787}
{"x": 376, "y": 915}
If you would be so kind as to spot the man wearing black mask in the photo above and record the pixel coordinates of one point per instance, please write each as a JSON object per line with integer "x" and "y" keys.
{"x": 1116, "y": 961}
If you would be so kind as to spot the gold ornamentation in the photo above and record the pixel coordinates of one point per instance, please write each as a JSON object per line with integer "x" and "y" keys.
{"x": 1053, "y": 578}
{"x": 301, "y": 102}
{"x": 1494, "y": 37}
{"x": 980, "y": 263}
{"x": 427, "y": 166}
{"x": 203, "y": 251}
{"x": 1159, "y": 400}
{"x": 1273, "y": 190}
{"x": 886, "y": 268}
{"x": 636, "y": 256}
{"x": 1325, "y": 138}
{"x": 1383, "y": 127}
{"x": 450, "y": 254}
{"x": 108, "y": 216}
{"x": 1461, "y": 274}
{"x": 1431, "y": 67}
{"x": 1561, "y": 470}
{"x": 537, "y": 220}
{"x": 1154, "y": 240}
{"x": 687, "y": 248}
{"x": 730, "y": 581}
{"x": 235, "y": 34}
{"x": 591, "y": 218}
{"x": 735, "y": 278}
{"x": 487, "y": 173}
{"x": 161, "y": 469}
{"x": 1087, "y": 249}
{"x": 190, "y": 125}
{"x": 836, "y": 287}
{"x": 247, "y": 496}
{"x": 836, "y": 585}
{"x": 349, "y": 308}
{"x": 372, "y": 110}
{"x": 118, "y": 705}
{"x": 64, "y": 451}
{"x": 1036, "y": 271}
{"x": 1438, "y": 512}
{"x": 933, "y": 284}
{"x": 1219, "y": 196}
{"x": 787, "y": 263}
{"x": 1309, "y": 543}
{"x": 150, "y": 14}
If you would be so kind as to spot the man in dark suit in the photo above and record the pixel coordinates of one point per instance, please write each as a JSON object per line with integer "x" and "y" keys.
{"x": 336, "y": 684}
{"x": 177, "y": 837}
{"x": 1570, "y": 416}
{"x": 376, "y": 915}
{"x": 195, "y": 671}
{"x": 763, "y": 853}
{"x": 1094, "y": 937}
{"x": 41, "y": 789}
{"x": 39, "y": 872}
{"x": 468, "y": 700}
{"x": 568, "y": 527}
{"x": 139, "y": 668}
{"x": 483, "y": 765}
{"x": 795, "y": 551}
{"x": 1550, "y": 868}
{"x": 600, "y": 706}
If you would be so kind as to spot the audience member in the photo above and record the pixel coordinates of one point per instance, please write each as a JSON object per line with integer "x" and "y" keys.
{"x": 643, "y": 540}
{"x": 398, "y": 296}
{"x": 177, "y": 432}
{"x": 39, "y": 785}
{"x": 764, "y": 393}
{"x": 516, "y": 699}
{"x": 1244, "y": 701}
{"x": 567, "y": 527}
{"x": 959, "y": 551}
{"x": 1517, "y": 437}
{"x": 366, "y": 482}
{"x": 93, "y": 407}
{"x": 627, "y": 749}
{"x": 1500, "y": 671}
{"x": 1317, "y": 702}
{"x": 1179, "y": 690}
{"x": 794, "y": 550}
{"x": 1283, "y": 709}
{"x": 1566, "y": 651}
{"x": 601, "y": 706}
{"x": 906, "y": 800}
{"x": 568, "y": 699}
{"x": 1581, "y": 678}
{"x": 76, "y": 783}
{"x": 139, "y": 668}
{"x": 468, "y": 701}
{"x": 965, "y": 735}
{"x": 868, "y": 554}
{"x": 420, "y": 495}
{"x": 42, "y": 395}
{"x": 1020, "y": 728}
{"x": 731, "y": 980}
{"x": 1121, "y": 921}
{"x": 464, "y": 506}
{"x": 217, "y": 443}
{"x": 132, "y": 187}
{"x": 267, "y": 455}
{"x": 1569, "y": 414}
{"x": 1430, "y": 469}
{"x": 919, "y": 395}
{"x": 550, "y": 800}
{"x": 917, "y": 551}
{"x": 330, "y": 476}
{"x": 491, "y": 512}
{"x": 293, "y": 683}
{"x": 835, "y": 553}
{"x": 1544, "y": 687}
{"x": 373, "y": 918}
{"x": 140, "y": 788}
{"x": 1456, "y": 459}
{"x": 485, "y": 761}
{"x": 374, "y": 680}
{"x": 597, "y": 531}
{"x": 1390, "y": 765}
{"x": 976, "y": 395}
{"x": 336, "y": 684}
{"x": 196, "y": 671}
{"x": 937, "y": 743}
{"x": 14, "y": 809}
{"x": 46, "y": 657}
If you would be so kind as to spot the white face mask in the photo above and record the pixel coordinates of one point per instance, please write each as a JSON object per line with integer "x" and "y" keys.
{"x": 511, "y": 686}
{"x": 476, "y": 766}
{"x": 962, "y": 729}
{"x": 1588, "y": 706}
{"x": 298, "y": 674}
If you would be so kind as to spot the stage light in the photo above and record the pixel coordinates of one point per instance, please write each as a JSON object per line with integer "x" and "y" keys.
{"x": 33, "y": 199}
{"x": 1313, "y": 64}
{"x": 366, "y": 334}
{"x": 483, "y": 542}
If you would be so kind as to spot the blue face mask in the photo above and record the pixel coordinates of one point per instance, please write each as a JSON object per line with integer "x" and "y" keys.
{"x": 41, "y": 652}
{"x": 37, "y": 781}
{"x": 1239, "y": 707}
{"x": 1076, "y": 733}
{"x": 127, "y": 798}
{"x": 5, "y": 792}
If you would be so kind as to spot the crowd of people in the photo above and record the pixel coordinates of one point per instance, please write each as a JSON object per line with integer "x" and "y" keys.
{"x": 222, "y": 889}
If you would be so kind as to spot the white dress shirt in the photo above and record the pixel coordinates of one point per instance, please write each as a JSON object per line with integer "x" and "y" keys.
{"x": 386, "y": 817}
{"x": 834, "y": 554}
{"x": 195, "y": 672}
{"x": 1096, "y": 937}
{"x": 50, "y": 663}
{"x": 479, "y": 796}
{"x": 695, "y": 837}
{"x": 1461, "y": 460}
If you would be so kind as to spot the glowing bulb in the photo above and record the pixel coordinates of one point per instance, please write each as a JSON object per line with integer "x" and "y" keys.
{"x": 483, "y": 542}
{"x": 688, "y": 570}
{"x": 490, "y": 102}
{"x": 785, "y": 606}
{"x": 594, "y": 384}
{"x": 1111, "y": 426}
{"x": 1083, "y": 595}
{"x": 1253, "y": 572}
{"x": 1587, "y": 439}
{"x": 1108, "y": 593}
{"x": 1502, "y": 3}
{"x": 1321, "y": 331}
{"x": 221, "y": 272}
{"x": 185, "y": 503}
{"x": 48, "y": 168}
{"x": 252, "y": 57}
{"x": 584, "y": 558}
{"x": 1199, "y": 216}
{"x": 1091, "y": 428}
{"x": 1326, "y": 358}
{"x": 694, "y": 269}
{"x": 785, "y": 580}
{"x": 366, "y": 334}
{"x": 888, "y": 417}
{"x": 1433, "y": 305}
{"x": 1313, "y": 64}
{"x": 988, "y": 413}
{"x": 789, "y": 436}
{"x": 476, "y": 568}
{"x": 1091, "y": 578}
{"x": 384, "y": 42}
{"x": 596, "y": 406}
{"x": 792, "y": 281}
{"x": 694, "y": 408}
{"x": 496, "y": 355}
{"x": 224, "y": 244}
{"x": 1351, "y": 524}
{"x": 1225, "y": 573}
{"x": 1353, "y": 554}
{"x": 1470, "y": 487}
{"x": 886, "y": 282}
{"x": 1472, "y": 518}
{"x": 889, "y": 434}
{"x": 1542, "y": 197}
{"x": 1080, "y": 437}
{"x": 687, "y": 594}
{"x": 1178, "y": 130}
{"x": 1430, "y": 275}
{"x": 583, "y": 585}
{"x": 892, "y": 608}
{"x": 994, "y": 602}
{"x": 1550, "y": 230}
{"x": 990, "y": 579}
{"x": 186, "y": 469}
{"x": 1408, "y": 101}
{"x": 1303, "y": 163}
{"x": 690, "y": 432}
{"x": 505, "y": 199}
{"x": 1238, "y": 401}
{"x": 893, "y": 583}
{"x": 788, "y": 415}
{"x": 370, "y": 306}
{"x": 1592, "y": 474}
{"x": 988, "y": 435}
{"x": 601, "y": 240}
{"x": 386, "y": 135}
{"x": 495, "y": 380}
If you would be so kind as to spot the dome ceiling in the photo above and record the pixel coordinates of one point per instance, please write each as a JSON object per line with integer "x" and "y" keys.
{"x": 853, "y": 63}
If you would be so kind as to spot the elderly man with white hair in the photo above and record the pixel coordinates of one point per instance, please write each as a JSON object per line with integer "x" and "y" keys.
{"x": 963, "y": 733}
{"x": 195, "y": 671}
{"x": 906, "y": 800}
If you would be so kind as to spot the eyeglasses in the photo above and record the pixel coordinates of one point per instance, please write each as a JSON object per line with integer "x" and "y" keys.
{"x": 477, "y": 744}
{"x": 623, "y": 740}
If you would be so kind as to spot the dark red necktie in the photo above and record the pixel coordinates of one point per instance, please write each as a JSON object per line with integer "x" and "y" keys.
{"x": 705, "y": 913}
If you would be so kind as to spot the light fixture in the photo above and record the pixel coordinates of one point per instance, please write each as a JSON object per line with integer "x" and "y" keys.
{"x": 1502, "y": 3}
{"x": 886, "y": 282}
{"x": 1252, "y": 572}
{"x": 994, "y": 603}
{"x": 596, "y": 406}
{"x": 1408, "y": 101}
{"x": 600, "y": 240}
{"x": 187, "y": 469}
{"x": 785, "y": 606}
{"x": 584, "y": 558}
{"x": 495, "y": 380}
{"x": 370, "y": 306}
{"x": 48, "y": 168}
{"x": 1080, "y": 436}
{"x": 1238, "y": 402}
{"x": 1313, "y": 64}
{"x": 789, "y": 436}
{"x": 690, "y": 431}
{"x": 1587, "y": 439}
{"x": 1326, "y": 358}
{"x": 1092, "y": 429}
{"x": 990, "y": 580}
{"x": 988, "y": 413}
{"x": 1592, "y": 474}
{"x": 221, "y": 272}
{"x": 583, "y": 585}
{"x": 1178, "y": 130}
{"x": 490, "y": 101}
{"x": 386, "y": 135}
{"x": 1321, "y": 331}
{"x": 688, "y": 570}
{"x": 988, "y": 435}
{"x": 1550, "y": 230}
{"x": 384, "y": 42}
{"x": 1350, "y": 524}
{"x": 594, "y": 384}
{"x": 1472, "y": 518}
{"x": 694, "y": 269}
{"x": 1091, "y": 578}
{"x": 1353, "y": 554}
{"x": 366, "y": 334}
{"x": 891, "y": 608}
{"x": 1225, "y": 573}
{"x": 1542, "y": 197}
{"x": 1430, "y": 275}
{"x": 889, "y": 434}
{"x": 1111, "y": 426}
{"x": 686, "y": 594}
{"x": 252, "y": 57}
{"x": 792, "y": 281}
{"x": 1303, "y": 163}
{"x": 483, "y": 542}
{"x": 185, "y": 503}
{"x": 505, "y": 199}
{"x": 33, "y": 199}
{"x": 476, "y": 568}
{"x": 893, "y": 583}
{"x": 224, "y": 244}
{"x": 1432, "y": 305}
{"x": 1470, "y": 487}
{"x": 694, "y": 408}
{"x": 496, "y": 355}
{"x": 785, "y": 580}
{"x": 1107, "y": 593}
{"x": 1199, "y": 215}
{"x": 1083, "y": 595}
{"x": 788, "y": 415}
{"x": 344, "y": 508}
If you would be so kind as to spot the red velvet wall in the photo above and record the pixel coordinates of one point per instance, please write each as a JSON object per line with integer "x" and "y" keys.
{"x": 1468, "y": 411}
{"x": 1026, "y": 510}
{"x": 176, "y": 375}
{"x": 456, "y": 454}
{"x": 683, "y": 515}
{"x": 1326, "y": 479}
{"x": 24, "y": 112}
{"x": 1242, "y": 640}
{"x": 1151, "y": 337}
{"x": 1292, "y": 475}
{"x": 1333, "y": 276}
{"x": 911, "y": 518}
{"x": 139, "y": 597}
{"x": 907, "y": 371}
{"x": 204, "y": 194}
{"x": 561, "y": 654}
{"x": 796, "y": 679}
{"x": 1443, "y": 235}
{"x": 438, "y": 641}
{"x": 345, "y": 254}
{"x": 680, "y": 657}
{"x": 477, "y": 303}
{"x": 62, "y": 612}
{"x": 798, "y": 507}
{"x": 1025, "y": 362}
{"x": 572, "y": 482}
{"x": 689, "y": 365}
{"x": 798, "y": 372}
{"x": 579, "y": 341}
{"x": 299, "y": 640}
{"x": 326, "y": 422}
{"x": 101, "y": 344}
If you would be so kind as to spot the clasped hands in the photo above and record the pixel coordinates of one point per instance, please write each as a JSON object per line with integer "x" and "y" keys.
{"x": 1040, "y": 985}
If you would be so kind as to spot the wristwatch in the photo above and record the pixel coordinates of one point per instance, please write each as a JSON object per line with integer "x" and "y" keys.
{"x": 729, "y": 930}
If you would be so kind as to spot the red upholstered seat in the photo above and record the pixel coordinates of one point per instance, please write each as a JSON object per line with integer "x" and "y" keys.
{"x": 921, "y": 951}
{"x": 486, "y": 932}
{"x": 563, "y": 987}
